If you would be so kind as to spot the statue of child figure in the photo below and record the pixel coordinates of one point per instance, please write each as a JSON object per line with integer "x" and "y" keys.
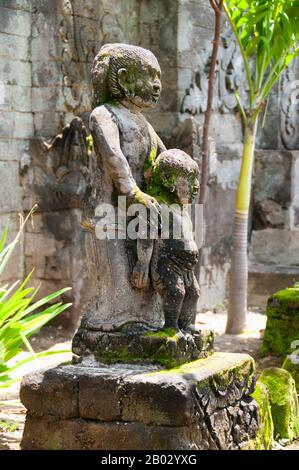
{"x": 171, "y": 258}
{"x": 126, "y": 81}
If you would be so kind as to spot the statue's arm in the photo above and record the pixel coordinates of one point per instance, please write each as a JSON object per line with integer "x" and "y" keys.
{"x": 106, "y": 139}
{"x": 160, "y": 145}
{"x": 141, "y": 269}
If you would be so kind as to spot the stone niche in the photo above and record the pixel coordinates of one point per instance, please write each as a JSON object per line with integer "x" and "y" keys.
{"x": 202, "y": 405}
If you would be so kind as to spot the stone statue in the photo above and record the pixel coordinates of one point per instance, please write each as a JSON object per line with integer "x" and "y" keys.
{"x": 134, "y": 404}
{"x": 174, "y": 183}
{"x": 137, "y": 286}
{"x": 126, "y": 80}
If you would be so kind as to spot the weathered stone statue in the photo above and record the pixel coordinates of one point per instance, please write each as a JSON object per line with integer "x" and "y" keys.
{"x": 174, "y": 183}
{"x": 130, "y": 160}
{"x": 136, "y": 403}
{"x": 126, "y": 80}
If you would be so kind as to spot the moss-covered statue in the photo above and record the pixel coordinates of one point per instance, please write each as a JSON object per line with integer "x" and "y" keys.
{"x": 171, "y": 260}
{"x": 129, "y": 159}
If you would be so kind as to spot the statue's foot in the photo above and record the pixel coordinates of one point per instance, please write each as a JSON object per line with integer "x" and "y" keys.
{"x": 190, "y": 329}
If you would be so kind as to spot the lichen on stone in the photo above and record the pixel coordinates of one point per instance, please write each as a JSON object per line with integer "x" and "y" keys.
{"x": 283, "y": 401}
{"x": 139, "y": 196}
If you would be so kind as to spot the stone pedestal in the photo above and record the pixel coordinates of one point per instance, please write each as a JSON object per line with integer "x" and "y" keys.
{"x": 166, "y": 348}
{"x": 204, "y": 404}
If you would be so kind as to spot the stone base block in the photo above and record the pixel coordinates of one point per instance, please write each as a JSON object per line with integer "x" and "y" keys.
{"x": 166, "y": 348}
{"x": 205, "y": 404}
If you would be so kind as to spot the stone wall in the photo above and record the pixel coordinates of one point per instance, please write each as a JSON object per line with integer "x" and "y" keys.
{"x": 195, "y": 34}
{"x": 47, "y": 48}
{"x": 274, "y": 234}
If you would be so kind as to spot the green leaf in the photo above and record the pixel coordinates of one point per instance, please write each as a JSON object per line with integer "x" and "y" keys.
{"x": 3, "y": 238}
{"x": 17, "y": 320}
{"x": 257, "y": 18}
{"x": 243, "y": 4}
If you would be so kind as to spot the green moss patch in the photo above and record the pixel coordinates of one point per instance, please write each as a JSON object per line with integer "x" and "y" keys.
{"x": 219, "y": 369}
{"x": 264, "y": 437}
{"x": 283, "y": 402}
{"x": 282, "y": 326}
{"x": 89, "y": 143}
{"x": 167, "y": 333}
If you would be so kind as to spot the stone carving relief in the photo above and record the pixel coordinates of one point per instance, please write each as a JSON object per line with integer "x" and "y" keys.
{"x": 81, "y": 38}
{"x": 230, "y": 76}
{"x": 289, "y": 123}
{"x": 79, "y": 45}
{"x": 60, "y": 168}
{"x": 186, "y": 136}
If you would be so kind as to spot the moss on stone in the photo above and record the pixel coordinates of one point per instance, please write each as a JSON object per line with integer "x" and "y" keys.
{"x": 293, "y": 369}
{"x": 139, "y": 196}
{"x": 89, "y": 143}
{"x": 221, "y": 366}
{"x": 264, "y": 437}
{"x": 166, "y": 348}
{"x": 168, "y": 332}
{"x": 164, "y": 171}
{"x": 282, "y": 326}
{"x": 153, "y": 155}
{"x": 283, "y": 402}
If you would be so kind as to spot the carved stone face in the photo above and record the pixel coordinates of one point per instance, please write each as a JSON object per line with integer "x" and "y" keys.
{"x": 175, "y": 174}
{"x": 141, "y": 84}
{"x": 126, "y": 72}
{"x": 186, "y": 189}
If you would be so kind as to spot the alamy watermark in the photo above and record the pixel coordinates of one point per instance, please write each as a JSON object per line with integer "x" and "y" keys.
{"x": 174, "y": 221}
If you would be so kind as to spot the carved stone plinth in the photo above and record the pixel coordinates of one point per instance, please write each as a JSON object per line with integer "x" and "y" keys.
{"x": 204, "y": 404}
{"x": 151, "y": 347}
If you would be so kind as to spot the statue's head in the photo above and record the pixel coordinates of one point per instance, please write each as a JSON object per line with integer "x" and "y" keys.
{"x": 176, "y": 172}
{"x": 122, "y": 71}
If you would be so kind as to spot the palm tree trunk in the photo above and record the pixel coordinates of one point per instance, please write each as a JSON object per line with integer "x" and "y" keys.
{"x": 237, "y": 307}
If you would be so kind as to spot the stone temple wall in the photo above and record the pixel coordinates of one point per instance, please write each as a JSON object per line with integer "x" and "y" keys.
{"x": 273, "y": 234}
{"x": 195, "y": 34}
{"x": 45, "y": 57}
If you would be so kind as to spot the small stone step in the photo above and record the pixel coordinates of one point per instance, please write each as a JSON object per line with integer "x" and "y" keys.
{"x": 205, "y": 404}
{"x": 265, "y": 280}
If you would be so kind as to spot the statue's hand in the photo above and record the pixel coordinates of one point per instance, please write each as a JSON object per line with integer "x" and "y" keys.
{"x": 140, "y": 275}
{"x": 148, "y": 201}
{"x": 153, "y": 217}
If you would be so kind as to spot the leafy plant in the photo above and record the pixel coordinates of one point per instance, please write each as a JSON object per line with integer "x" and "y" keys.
{"x": 267, "y": 32}
{"x": 20, "y": 317}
